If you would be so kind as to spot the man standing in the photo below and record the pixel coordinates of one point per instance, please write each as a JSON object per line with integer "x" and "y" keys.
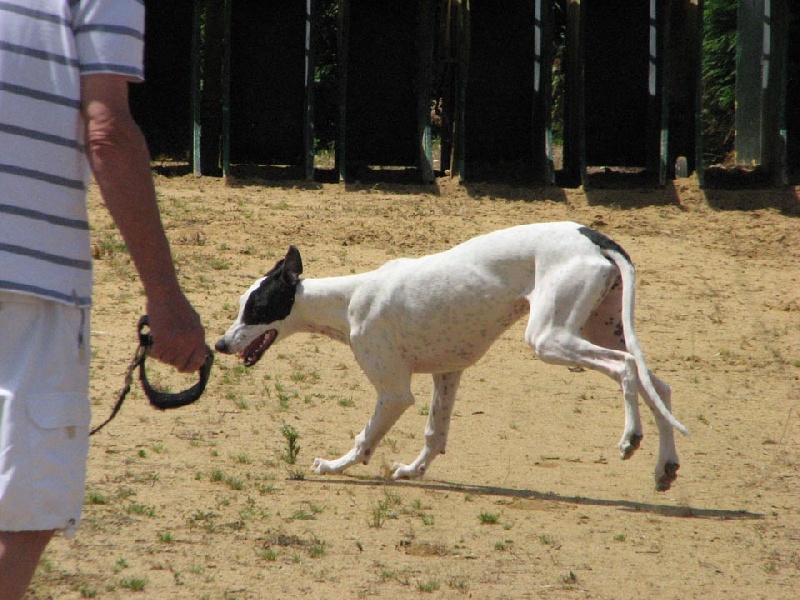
{"x": 65, "y": 66}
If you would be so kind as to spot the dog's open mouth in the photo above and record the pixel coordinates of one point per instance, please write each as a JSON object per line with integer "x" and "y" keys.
{"x": 253, "y": 353}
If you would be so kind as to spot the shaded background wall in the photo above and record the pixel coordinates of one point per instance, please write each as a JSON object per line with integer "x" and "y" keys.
{"x": 257, "y": 51}
{"x": 382, "y": 82}
{"x": 499, "y": 96}
{"x": 267, "y": 51}
{"x": 616, "y": 71}
{"x": 162, "y": 104}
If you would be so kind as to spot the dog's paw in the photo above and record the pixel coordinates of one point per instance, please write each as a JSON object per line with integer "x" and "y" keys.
{"x": 628, "y": 447}
{"x": 665, "y": 480}
{"x": 401, "y": 471}
{"x": 321, "y": 466}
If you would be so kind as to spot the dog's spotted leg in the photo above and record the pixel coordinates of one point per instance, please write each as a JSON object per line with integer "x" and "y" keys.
{"x": 604, "y": 328}
{"x": 388, "y": 409}
{"x": 632, "y": 434}
{"x": 668, "y": 463}
{"x": 445, "y": 386}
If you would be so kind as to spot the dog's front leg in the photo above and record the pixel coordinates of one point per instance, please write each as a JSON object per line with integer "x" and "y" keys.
{"x": 389, "y": 408}
{"x": 445, "y": 386}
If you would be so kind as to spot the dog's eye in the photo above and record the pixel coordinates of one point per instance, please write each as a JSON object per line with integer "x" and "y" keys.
{"x": 271, "y": 302}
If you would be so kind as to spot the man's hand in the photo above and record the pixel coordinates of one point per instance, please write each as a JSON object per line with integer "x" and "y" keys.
{"x": 178, "y": 335}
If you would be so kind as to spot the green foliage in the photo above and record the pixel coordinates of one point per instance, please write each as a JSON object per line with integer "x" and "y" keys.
{"x": 719, "y": 77}
{"x": 291, "y": 435}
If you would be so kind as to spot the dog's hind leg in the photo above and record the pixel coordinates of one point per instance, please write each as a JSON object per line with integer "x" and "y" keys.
{"x": 572, "y": 323}
{"x": 604, "y": 328}
{"x": 445, "y": 386}
{"x": 391, "y": 404}
{"x": 668, "y": 462}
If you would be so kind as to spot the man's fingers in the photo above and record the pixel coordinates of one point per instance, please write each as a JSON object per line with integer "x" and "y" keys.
{"x": 183, "y": 362}
{"x": 195, "y": 361}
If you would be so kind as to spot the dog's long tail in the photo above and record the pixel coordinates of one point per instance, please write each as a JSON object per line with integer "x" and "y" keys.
{"x": 628, "y": 275}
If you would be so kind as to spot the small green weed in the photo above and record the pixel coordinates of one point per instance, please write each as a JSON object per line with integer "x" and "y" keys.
{"x": 96, "y": 498}
{"x": 165, "y": 537}
{"x": 134, "y": 584}
{"x": 291, "y": 435}
{"x": 428, "y": 587}
{"x": 487, "y": 518}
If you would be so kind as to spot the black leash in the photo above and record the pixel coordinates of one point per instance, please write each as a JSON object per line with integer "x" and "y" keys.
{"x": 159, "y": 400}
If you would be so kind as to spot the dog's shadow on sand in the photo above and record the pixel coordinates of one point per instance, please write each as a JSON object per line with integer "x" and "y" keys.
{"x": 664, "y": 510}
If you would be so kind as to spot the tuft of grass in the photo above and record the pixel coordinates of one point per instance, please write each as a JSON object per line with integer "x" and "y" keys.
{"x": 570, "y": 578}
{"x": 267, "y": 554}
{"x": 296, "y": 475}
{"x": 234, "y": 483}
{"x": 383, "y": 510}
{"x": 134, "y": 584}
{"x": 218, "y": 264}
{"x": 243, "y": 459}
{"x": 121, "y": 565}
{"x": 266, "y": 488}
{"x": 428, "y": 587}
{"x": 316, "y": 549}
{"x": 85, "y": 591}
{"x": 302, "y": 515}
{"x": 96, "y": 498}
{"x": 547, "y": 540}
{"x": 346, "y": 402}
{"x": 487, "y": 518}
{"x": 137, "y": 508}
{"x": 459, "y": 584}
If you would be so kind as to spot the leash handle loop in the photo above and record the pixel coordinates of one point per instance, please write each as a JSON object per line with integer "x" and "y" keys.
{"x": 159, "y": 400}
{"x": 164, "y": 400}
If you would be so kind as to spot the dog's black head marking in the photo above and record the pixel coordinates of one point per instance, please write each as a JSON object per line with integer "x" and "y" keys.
{"x": 273, "y": 299}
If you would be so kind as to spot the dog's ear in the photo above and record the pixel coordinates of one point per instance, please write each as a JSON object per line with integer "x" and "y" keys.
{"x": 292, "y": 266}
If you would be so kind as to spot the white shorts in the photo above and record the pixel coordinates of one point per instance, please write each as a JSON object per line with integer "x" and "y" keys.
{"x": 44, "y": 413}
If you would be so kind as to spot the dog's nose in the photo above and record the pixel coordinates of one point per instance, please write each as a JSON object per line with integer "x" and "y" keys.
{"x": 222, "y": 346}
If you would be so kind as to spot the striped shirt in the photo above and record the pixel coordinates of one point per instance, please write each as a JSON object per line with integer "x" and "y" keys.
{"x": 45, "y": 48}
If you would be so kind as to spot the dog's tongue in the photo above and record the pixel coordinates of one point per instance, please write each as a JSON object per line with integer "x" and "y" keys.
{"x": 253, "y": 353}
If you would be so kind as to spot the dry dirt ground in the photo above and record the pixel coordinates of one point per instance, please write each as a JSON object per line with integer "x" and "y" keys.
{"x": 531, "y": 499}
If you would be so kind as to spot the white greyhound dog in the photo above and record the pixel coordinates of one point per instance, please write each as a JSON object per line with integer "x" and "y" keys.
{"x": 439, "y": 314}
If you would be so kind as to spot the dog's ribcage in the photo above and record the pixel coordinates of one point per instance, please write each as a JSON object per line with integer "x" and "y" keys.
{"x": 442, "y": 312}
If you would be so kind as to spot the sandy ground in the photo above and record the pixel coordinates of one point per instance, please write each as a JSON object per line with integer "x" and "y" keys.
{"x": 531, "y": 499}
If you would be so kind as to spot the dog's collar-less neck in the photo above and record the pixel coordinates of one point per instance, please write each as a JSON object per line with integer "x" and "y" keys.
{"x": 321, "y": 306}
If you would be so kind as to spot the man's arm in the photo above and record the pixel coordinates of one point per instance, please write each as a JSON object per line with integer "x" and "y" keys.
{"x": 120, "y": 162}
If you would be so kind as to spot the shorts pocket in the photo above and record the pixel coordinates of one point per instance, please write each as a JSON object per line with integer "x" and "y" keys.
{"x": 53, "y": 412}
